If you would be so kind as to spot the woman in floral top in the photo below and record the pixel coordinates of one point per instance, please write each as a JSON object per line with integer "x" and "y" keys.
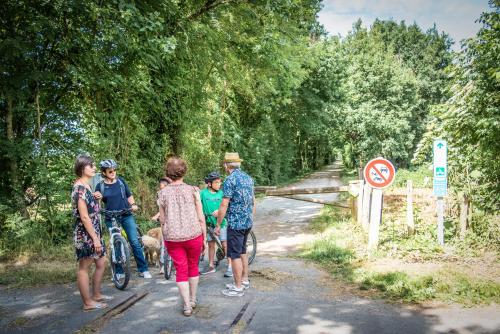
{"x": 184, "y": 230}
{"x": 87, "y": 235}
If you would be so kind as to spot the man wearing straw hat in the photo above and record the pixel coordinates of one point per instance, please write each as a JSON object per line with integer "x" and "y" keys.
{"x": 238, "y": 207}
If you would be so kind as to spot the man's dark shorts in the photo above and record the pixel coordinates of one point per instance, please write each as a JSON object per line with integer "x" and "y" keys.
{"x": 237, "y": 242}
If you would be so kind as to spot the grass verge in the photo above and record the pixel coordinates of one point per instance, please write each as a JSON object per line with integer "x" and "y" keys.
{"x": 51, "y": 265}
{"x": 340, "y": 249}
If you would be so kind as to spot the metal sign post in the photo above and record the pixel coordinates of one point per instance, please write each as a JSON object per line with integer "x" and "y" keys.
{"x": 379, "y": 173}
{"x": 440, "y": 182}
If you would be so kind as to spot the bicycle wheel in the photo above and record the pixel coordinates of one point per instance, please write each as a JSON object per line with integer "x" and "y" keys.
{"x": 122, "y": 259}
{"x": 167, "y": 265}
{"x": 251, "y": 247}
{"x": 219, "y": 255}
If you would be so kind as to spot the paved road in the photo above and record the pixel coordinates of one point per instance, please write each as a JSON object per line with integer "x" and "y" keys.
{"x": 287, "y": 295}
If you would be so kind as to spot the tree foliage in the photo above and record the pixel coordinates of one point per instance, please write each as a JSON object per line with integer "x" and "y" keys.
{"x": 139, "y": 81}
{"x": 470, "y": 119}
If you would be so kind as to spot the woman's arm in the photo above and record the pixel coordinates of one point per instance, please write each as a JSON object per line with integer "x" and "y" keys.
{"x": 132, "y": 203}
{"x": 87, "y": 223}
{"x": 162, "y": 215}
{"x": 201, "y": 216}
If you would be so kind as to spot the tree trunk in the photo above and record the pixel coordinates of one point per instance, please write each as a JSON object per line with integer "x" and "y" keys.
{"x": 17, "y": 193}
{"x": 464, "y": 215}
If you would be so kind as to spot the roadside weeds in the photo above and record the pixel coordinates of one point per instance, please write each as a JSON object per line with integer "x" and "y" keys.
{"x": 340, "y": 249}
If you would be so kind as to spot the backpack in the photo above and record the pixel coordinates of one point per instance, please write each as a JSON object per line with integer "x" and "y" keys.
{"x": 100, "y": 187}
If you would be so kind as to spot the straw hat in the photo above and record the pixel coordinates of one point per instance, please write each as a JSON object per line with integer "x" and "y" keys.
{"x": 232, "y": 157}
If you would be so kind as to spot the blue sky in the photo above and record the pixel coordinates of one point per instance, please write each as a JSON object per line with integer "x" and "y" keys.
{"x": 455, "y": 17}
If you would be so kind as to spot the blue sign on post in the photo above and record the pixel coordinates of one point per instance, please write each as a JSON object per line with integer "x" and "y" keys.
{"x": 440, "y": 166}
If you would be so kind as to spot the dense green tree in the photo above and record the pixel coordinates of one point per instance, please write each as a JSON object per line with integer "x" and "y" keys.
{"x": 470, "y": 119}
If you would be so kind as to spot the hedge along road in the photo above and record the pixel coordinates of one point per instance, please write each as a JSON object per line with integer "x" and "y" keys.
{"x": 287, "y": 295}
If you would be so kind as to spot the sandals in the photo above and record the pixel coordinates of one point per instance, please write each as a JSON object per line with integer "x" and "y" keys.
{"x": 194, "y": 303}
{"x": 104, "y": 298}
{"x": 188, "y": 310}
{"x": 97, "y": 306}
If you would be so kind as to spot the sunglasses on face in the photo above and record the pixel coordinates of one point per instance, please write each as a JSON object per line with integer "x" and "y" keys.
{"x": 111, "y": 171}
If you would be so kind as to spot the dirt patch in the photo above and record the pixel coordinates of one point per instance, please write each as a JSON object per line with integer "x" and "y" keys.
{"x": 204, "y": 312}
{"x": 268, "y": 279}
{"x": 19, "y": 322}
{"x": 239, "y": 327}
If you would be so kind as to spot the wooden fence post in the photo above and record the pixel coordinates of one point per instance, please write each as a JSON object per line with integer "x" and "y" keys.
{"x": 365, "y": 216}
{"x": 355, "y": 200}
{"x": 361, "y": 187}
{"x": 410, "y": 223}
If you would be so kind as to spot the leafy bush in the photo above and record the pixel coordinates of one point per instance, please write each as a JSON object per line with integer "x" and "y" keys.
{"x": 420, "y": 175}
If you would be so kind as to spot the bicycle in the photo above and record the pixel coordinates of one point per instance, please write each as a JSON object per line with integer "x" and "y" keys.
{"x": 221, "y": 255}
{"x": 119, "y": 251}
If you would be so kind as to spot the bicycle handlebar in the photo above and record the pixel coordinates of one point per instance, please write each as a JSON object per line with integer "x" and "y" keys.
{"x": 115, "y": 213}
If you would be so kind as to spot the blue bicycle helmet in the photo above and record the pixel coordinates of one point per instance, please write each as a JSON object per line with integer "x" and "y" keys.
{"x": 212, "y": 176}
{"x": 109, "y": 163}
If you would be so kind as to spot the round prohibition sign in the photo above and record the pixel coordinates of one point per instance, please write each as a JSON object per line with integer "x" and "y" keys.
{"x": 379, "y": 173}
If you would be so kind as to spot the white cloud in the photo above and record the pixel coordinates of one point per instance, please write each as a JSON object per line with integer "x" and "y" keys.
{"x": 455, "y": 17}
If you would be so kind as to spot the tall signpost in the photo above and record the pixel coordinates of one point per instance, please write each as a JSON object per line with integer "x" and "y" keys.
{"x": 379, "y": 173}
{"x": 440, "y": 182}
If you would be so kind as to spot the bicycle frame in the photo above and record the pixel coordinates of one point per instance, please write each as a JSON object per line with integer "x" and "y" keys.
{"x": 220, "y": 254}
{"x": 114, "y": 230}
{"x": 119, "y": 256}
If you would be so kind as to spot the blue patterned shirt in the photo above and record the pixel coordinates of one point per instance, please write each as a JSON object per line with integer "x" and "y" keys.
{"x": 238, "y": 187}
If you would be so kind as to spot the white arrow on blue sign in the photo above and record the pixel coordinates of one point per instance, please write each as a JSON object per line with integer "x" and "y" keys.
{"x": 440, "y": 166}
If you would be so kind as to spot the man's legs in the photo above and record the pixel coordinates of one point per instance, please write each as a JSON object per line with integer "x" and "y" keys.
{"x": 244, "y": 258}
{"x": 235, "y": 248}
{"x": 237, "y": 271}
{"x": 244, "y": 271}
{"x": 130, "y": 227}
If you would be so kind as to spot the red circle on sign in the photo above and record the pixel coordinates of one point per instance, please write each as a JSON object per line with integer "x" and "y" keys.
{"x": 379, "y": 173}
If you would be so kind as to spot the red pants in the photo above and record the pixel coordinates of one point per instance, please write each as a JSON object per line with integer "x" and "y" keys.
{"x": 186, "y": 255}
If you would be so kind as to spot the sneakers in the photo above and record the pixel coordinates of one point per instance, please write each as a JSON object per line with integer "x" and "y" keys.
{"x": 146, "y": 274}
{"x": 228, "y": 273}
{"x": 245, "y": 285}
{"x": 210, "y": 270}
{"x": 235, "y": 292}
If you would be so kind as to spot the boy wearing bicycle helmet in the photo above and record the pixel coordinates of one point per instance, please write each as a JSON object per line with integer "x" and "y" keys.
{"x": 211, "y": 197}
{"x": 116, "y": 194}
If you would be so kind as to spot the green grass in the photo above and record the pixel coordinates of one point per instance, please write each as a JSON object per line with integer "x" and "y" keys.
{"x": 421, "y": 177}
{"x": 443, "y": 285}
{"x": 350, "y": 175}
{"x": 50, "y": 265}
{"x": 340, "y": 249}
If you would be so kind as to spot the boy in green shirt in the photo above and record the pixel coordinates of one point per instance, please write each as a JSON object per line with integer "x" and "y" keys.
{"x": 211, "y": 197}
